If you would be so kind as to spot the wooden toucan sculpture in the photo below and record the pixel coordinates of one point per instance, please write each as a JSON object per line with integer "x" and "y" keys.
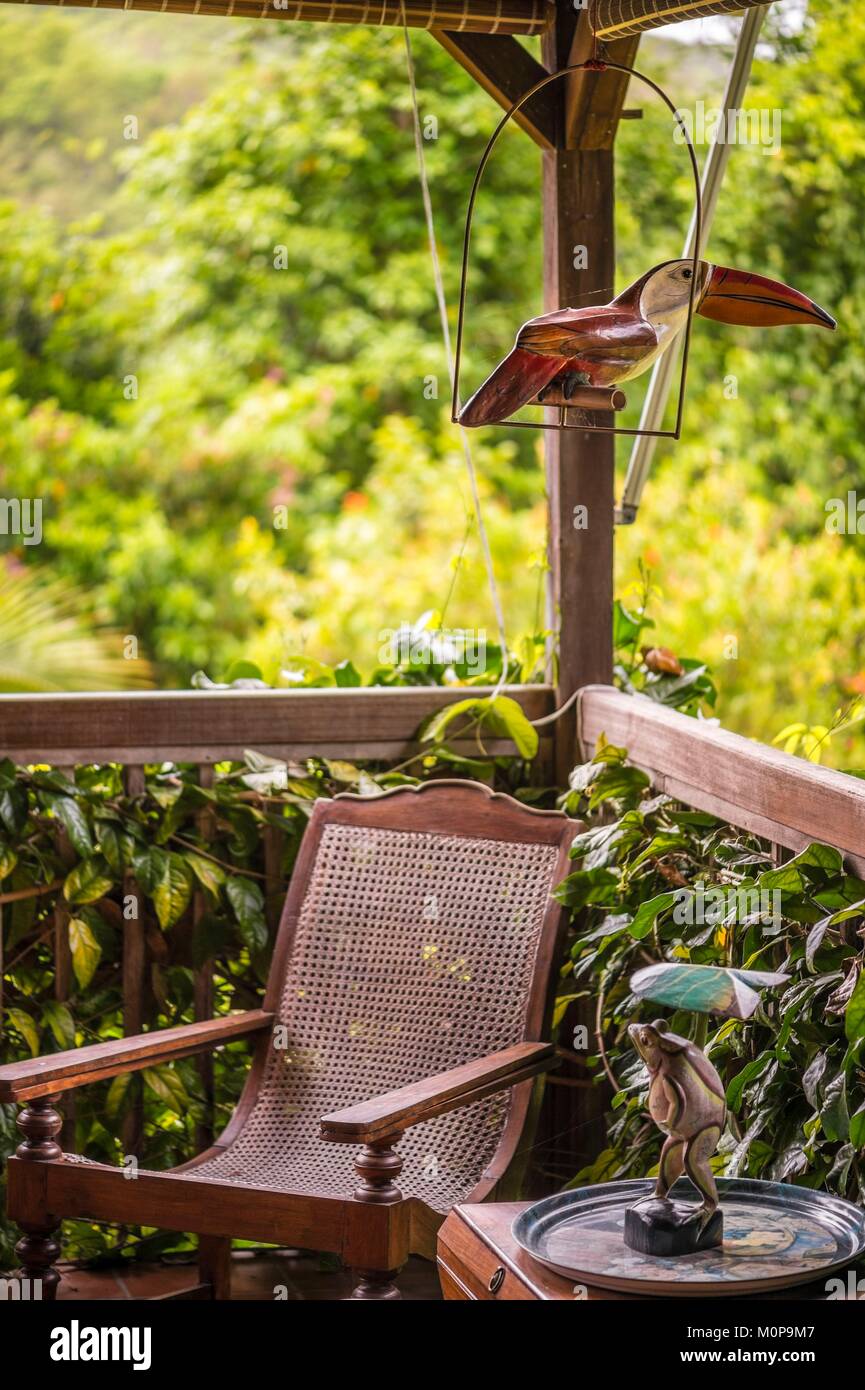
{"x": 602, "y": 346}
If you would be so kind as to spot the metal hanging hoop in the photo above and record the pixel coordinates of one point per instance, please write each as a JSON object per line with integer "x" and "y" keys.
{"x": 590, "y": 65}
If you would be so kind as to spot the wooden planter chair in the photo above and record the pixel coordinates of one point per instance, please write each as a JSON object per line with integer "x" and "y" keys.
{"x": 404, "y": 1016}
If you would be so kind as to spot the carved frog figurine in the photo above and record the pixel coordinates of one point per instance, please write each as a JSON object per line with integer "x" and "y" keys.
{"x": 687, "y": 1102}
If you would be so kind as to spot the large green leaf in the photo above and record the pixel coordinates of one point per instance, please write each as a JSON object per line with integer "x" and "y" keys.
{"x": 210, "y": 875}
{"x": 815, "y": 861}
{"x": 247, "y": 900}
{"x": 647, "y": 915}
{"x": 110, "y": 839}
{"x": 73, "y": 818}
{"x": 616, "y": 783}
{"x": 704, "y": 988}
{"x": 166, "y": 1083}
{"x": 60, "y": 1021}
{"x": 19, "y": 1019}
{"x": 86, "y": 951}
{"x": 834, "y": 1113}
{"x": 149, "y": 865}
{"x": 8, "y": 860}
{"x": 627, "y": 626}
{"x": 854, "y": 1017}
{"x": 599, "y": 886}
{"x": 500, "y": 716}
{"x": 88, "y": 881}
{"x": 347, "y": 678}
{"x": 13, "y": 804}
{"x": 117, "y": 1093}
{"x": 172, "y": 893}
{"x": 750, "y": 1072}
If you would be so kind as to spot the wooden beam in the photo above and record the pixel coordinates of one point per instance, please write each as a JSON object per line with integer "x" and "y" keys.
{"x": 580, "y": 467}
{"x": 208, "y": 726}
{"x": 506, "y": 70}
{"x": 783, "y": 799}
{"x": 595, "y": 100}
{"x": 472, "y": 16}
{"x": 578, "y": 231}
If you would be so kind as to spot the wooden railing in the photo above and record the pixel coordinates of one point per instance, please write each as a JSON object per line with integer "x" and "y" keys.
{"x": 783, "y": 799}
{"x": 205, "y": 727}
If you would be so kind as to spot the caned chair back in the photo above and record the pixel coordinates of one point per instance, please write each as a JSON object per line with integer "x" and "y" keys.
{"x": 419, "y": 932}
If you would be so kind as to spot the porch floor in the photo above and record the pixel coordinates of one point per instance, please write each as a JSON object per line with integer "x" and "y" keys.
{"x": 255, "y": 1276}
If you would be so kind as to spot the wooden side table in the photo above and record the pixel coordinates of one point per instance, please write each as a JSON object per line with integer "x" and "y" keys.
{"x": 479, "y": 1261}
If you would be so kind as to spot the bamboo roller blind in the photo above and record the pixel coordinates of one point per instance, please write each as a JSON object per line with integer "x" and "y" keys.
{"x": 462, "y": 16}
{"x": 613, "y": 19}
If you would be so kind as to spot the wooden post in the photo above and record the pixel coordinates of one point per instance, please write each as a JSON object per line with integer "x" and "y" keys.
{"x": 63, "y": 957}
{"x": 579, "y": 268}
{"x": 38, "y": 1248}
{"x": 578, "y": 206}
{"x": 203, "y": 981}
{"x": 134, "y": 983}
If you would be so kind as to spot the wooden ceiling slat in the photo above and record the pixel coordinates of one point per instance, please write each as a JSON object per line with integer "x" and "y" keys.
{"x": 615, "y": 19}
{"x": 458, "y": 16}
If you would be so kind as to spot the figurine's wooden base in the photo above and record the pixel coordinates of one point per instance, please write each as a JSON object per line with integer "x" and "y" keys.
{"x": 659, "y": 1226}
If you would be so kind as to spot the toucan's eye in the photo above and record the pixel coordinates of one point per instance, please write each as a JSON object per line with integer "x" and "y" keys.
{"x": 688, "y": 273}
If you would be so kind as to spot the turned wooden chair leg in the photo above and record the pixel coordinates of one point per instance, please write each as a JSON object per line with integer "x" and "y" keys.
{"x": 375, "y": 1284}
{"x": 214, "y": 1264}
{"x": 38, "y": 1249}
{"x": 377, "y": 1166}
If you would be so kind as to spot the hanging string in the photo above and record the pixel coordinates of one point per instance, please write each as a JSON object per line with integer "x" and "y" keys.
{"x": 446, "y": 337}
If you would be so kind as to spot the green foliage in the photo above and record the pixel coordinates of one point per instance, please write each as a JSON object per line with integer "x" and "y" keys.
{"x": 232, "y": 392}
{"x": 733, "y": 521}
{"x": 656, "y": 882}
{"x": 656, "y": 672}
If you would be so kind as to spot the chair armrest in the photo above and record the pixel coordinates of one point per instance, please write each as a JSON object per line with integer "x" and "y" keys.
{"x": 62, "y": 1071}
{"x": 423, "y": 1100}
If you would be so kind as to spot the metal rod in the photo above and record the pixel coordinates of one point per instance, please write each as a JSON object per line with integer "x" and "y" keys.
{"x": 658, "y": 392}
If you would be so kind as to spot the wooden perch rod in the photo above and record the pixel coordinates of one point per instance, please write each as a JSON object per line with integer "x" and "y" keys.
{"x": 457, "y": 16}
{"x": 585, "y": 398}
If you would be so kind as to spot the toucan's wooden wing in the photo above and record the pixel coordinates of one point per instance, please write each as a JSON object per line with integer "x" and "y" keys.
{"x": 545, "y": 346}
{"x": 515, "y": 382}
{"x": 574, "y": 332}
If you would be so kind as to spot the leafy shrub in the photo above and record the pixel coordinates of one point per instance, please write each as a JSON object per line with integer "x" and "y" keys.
{"x": 656, "y": 881}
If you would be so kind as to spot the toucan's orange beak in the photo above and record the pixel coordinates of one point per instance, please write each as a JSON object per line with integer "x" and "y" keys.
{"x": 735, "y": 296}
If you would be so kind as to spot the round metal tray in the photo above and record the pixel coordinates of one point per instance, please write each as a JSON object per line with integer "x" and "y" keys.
{"x": 775, "y": 1236}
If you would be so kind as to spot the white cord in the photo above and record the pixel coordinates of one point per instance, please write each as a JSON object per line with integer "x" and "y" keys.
{"x": 443, "y": 315}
